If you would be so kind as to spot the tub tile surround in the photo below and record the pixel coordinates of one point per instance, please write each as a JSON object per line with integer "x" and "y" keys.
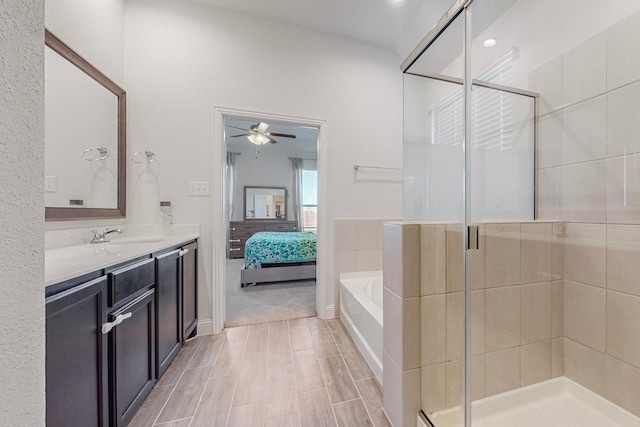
{"x": 357, "y": 247}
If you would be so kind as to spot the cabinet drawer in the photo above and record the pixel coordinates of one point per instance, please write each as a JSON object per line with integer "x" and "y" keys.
{"x": 246, "y": 230}
{"x": 129, "y": 280}
{"x": 281, "y": 227}
{"x": 236, "y": 251}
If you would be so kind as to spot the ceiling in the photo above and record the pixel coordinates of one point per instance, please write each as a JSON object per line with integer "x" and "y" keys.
{"x": 306, "y": 140}
{"x": 375, "y": 21}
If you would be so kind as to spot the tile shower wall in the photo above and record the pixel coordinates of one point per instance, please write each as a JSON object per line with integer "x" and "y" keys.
{"x": 589, "y": 177}
{"x": 517, "y": 310}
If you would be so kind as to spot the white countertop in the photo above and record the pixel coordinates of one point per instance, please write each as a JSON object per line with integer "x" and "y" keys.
{"x": 67, "y": 262}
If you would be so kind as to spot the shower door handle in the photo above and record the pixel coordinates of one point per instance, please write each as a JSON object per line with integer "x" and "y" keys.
{"x": 473, "y": 241}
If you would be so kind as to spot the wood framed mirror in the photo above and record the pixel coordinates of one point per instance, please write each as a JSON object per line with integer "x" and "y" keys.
{"x": 265, "y": 203}
{"x": 85, "y": 138}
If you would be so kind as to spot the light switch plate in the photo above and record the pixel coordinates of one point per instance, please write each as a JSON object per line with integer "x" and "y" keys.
{"x": 198, "y": 188}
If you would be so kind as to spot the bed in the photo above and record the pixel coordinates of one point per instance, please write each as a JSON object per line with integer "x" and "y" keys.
{"x": 279, "y": 256}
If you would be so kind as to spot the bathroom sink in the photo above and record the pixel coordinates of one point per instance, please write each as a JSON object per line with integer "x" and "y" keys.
{"x": 80, "y": 253}
{"x": 134, "y": 240}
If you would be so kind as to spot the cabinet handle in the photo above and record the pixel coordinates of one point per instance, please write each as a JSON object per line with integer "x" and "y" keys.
{"x": 107, "y": 327}
{"x": 183, "y": 252}
{"x": 234, "y": 241}
{"x": 233, "y": 229}
{"x": 234, "y": 249}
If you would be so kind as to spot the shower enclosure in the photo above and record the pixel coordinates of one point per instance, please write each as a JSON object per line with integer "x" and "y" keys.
{"x": 522, "y": 166}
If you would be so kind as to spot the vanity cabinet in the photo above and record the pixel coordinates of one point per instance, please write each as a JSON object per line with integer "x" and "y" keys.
{"x": 131, "y": 330}
{"x": 189, "y": 290}
{"x": 176, "y": 297}
{"x": 240, "y": 231}
{"x": 132, "y": 357}
{"x": 111, "y": 333}
{"x": 76, "y": 356}
{"x": 169, "y": 301}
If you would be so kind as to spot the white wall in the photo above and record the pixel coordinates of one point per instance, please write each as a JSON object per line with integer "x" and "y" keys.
{"x": 269, "y": 169}
{"x": 94, "y": 29}
{"x": 182, "y": 59}
{"x": 22, "y": 213}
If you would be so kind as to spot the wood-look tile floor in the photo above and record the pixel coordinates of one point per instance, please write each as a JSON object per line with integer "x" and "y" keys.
{"x": 297, "y": 373}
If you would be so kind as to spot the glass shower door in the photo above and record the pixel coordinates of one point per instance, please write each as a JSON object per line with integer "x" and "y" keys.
{"x": 434, "y": 160}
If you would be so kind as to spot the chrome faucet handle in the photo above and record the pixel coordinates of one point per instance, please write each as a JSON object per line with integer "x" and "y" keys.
{"x": 115, "y": 230}
{"x": 97, "y": 237}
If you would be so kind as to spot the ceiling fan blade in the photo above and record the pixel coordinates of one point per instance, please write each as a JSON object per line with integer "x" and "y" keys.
{"x": 234, "y": 127}
{"x": 271, "y": 140}
{"x": 282, "y": 135}
{"x": 244, "y": 134}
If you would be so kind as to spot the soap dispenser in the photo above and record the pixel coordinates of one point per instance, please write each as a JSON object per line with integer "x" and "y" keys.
{"x": 167, "y": 215}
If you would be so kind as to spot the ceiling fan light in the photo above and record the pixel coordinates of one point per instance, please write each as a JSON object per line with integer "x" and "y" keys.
{"x": 258, "y": 139}
{"x": 262, "y": 127}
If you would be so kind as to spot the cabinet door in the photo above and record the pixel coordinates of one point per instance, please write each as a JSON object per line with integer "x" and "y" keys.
{"x": 132, "y": 357}
{"x": 189, "y": 290}
{"x": 168, "y": 303}
{"x": 76, "y": 356}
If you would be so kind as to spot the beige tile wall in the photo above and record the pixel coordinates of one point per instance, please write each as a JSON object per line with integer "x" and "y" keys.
{"x": 557, "y": 299}
{"x": 357, "y": 247}
{"x": 587, "y": 155}
{"x": 402, "y": 323}
{"x": 517, "y": 310}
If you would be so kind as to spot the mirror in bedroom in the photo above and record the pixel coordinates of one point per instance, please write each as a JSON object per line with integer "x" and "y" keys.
{"x": 265, "y": 203}
{"x": 85, "y": 140}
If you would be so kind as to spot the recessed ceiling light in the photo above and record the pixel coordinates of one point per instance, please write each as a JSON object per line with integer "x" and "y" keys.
{"x": 489, "y": 43}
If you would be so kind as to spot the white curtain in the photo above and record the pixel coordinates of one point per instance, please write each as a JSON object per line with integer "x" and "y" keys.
{"x": 296, "y": 192}
{"x": 230, "y": 178}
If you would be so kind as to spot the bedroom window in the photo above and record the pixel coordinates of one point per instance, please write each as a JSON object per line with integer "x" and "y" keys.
{"x": 310, "y": 200}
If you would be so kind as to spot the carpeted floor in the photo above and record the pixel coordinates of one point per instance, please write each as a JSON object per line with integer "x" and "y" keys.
{"x": 267, "y": 302}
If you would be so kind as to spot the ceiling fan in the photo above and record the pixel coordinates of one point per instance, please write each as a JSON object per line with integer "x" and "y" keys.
{"x": 258, "y": 134}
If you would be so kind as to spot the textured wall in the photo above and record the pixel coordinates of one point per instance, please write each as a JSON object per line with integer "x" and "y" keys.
{"x": 21, "y": 213}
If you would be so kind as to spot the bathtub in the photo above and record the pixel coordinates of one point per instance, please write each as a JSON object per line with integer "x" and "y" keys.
{"x": 361, "y": 314}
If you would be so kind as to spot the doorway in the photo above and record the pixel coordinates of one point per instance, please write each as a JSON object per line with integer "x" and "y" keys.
{"x": 234, "y": 304}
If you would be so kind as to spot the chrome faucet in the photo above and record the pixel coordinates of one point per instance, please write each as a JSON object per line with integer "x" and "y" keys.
{"x": 102, "y": 237}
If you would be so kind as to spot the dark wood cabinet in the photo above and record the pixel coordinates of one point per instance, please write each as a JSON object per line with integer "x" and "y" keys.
{"x": 110, "y": 334}
{"x": 132, "y": 357}
{"x": 240, "y": 231}
{"x": 189, "y": 290}
{"x": 76, "y": 356}
{"x": 168, "y": 305}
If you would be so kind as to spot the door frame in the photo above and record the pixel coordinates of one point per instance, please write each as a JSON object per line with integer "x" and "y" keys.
{"x": 218, "y": 232}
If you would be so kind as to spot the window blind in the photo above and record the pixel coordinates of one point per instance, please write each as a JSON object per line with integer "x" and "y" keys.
{"x": 491, "y": 112}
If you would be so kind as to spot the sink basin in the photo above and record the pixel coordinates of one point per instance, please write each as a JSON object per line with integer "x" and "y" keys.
{"x": 80, "y": 253}
{"x": 133, "y": 240}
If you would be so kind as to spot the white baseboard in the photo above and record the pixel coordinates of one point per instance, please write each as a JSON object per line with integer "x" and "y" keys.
{"x": 205, "y": 327}
{"x": 330, "y": 312}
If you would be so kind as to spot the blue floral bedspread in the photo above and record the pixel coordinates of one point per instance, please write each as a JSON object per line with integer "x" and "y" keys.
{"x": 270, "y": 247}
